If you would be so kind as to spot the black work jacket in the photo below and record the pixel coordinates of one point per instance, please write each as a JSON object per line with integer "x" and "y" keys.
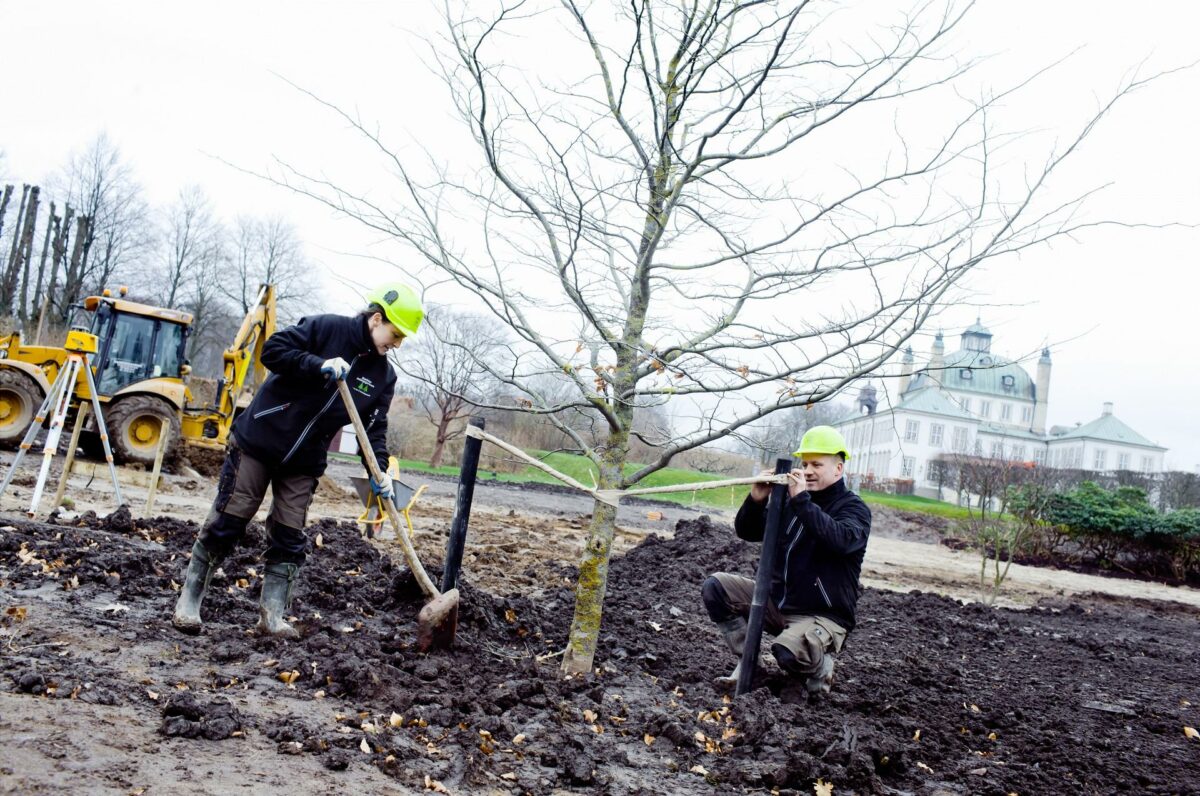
{"x": 820, "y": 554}
{"x": 296, "y": 413}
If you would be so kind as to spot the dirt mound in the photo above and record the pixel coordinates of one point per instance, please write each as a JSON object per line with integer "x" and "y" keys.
{"x": 929, "y": 693}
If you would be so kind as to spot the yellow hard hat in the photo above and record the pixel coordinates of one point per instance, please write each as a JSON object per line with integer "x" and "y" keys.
{"x": 823, "y": 439}
{"x": 401, "y": 305}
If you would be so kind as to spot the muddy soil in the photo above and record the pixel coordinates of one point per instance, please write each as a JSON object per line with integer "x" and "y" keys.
{"x": 98, "y": 694}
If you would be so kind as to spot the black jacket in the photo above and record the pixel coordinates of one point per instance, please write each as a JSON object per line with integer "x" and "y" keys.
{"x": 821, "y": 546}
{"x": 297, "y": 412}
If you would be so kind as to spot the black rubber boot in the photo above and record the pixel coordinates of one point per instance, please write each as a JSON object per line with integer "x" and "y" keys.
{"x": 734, "y": 633}
{"x": 278, "y": 582}
{"x": 195, "y": 584}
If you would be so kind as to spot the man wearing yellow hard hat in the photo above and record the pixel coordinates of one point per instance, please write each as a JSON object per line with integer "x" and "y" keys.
{"x": 282, "y": 438}
{"x": 814, "y": 588}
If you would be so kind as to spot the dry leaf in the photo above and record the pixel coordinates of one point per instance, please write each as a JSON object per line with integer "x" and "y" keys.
{"x": 917, "y": 735}
{"x": 518, "y": 739}
{"x": 655, "y": 626}
{"x": 992, "y": 736}
{"x": 396, "y": 720}
{"x": 510, "y": 776}
{"x": 319, "y": 541}
{"x": 434, "y": 785}
{"x": 364, "y": 746}
{"x": 510, "y": 615}
{"x": 319, "y": 694}
{"x": 701, "y": 770}
{"x": 242, "y": 583}
{"x": 648, "y": 739}
{"x": 152, "y": 694}
{"x": 17, "y": 613}
{"x": 1190, "y": 732}
{"x": 924, "y": 767}
{"x": 289, "y": 677}
{"x": 974, "y": 708}
{"x": 590, "y": 716}
{"x": 823, "y": 788}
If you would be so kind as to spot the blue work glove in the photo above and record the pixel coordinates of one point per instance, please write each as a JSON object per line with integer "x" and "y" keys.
{"x": 384, "y": 488}
{"x": 336, "y": 368}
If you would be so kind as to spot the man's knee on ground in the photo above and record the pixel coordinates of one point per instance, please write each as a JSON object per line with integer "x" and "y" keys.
{"x": 716, "y": 600}
{"x": 792, "y": 663}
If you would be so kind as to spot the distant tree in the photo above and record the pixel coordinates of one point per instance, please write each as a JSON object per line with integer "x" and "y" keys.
{"x": 268, "y": 250}
{"x": 780, "y": 433}
{"x": 450, "y": 364}
{"x": 1179, "y": 490}
{"x": 190, "y": 241}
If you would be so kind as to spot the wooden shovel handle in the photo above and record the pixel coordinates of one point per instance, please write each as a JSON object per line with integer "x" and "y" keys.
{"x": 368, "y": 455}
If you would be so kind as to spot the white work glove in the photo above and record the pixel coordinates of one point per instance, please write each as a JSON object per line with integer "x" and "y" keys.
{"x": 336, "y": 367}
{"x": 383, "y": 488}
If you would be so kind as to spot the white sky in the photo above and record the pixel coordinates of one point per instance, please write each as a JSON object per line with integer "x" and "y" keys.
{"x": 178, "y": 85}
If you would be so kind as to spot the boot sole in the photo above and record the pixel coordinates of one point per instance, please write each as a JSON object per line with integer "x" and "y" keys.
{"x": 187, "y": 627}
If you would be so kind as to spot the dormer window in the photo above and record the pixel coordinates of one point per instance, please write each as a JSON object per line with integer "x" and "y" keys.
{"x": 1008, "y": 381}
{"x": 965, "y": 374}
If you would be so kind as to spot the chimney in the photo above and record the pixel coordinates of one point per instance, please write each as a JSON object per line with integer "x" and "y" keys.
{"x": 937, "y": 359}
{"x": 906, "y": 367}
{"x": 1042, "y": 393}
{"x": 1107, "y": 409}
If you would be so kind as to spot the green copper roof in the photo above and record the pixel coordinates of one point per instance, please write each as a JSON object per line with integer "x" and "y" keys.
{"x": 933, "y": 401}
{"x": 980, "y": 372}
{"x": 1108, "y": 428}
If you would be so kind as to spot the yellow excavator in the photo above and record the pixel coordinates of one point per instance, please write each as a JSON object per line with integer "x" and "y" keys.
{"x": 142, "y": 377}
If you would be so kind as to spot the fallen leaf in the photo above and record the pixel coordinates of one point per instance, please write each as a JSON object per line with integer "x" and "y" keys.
{"x": 974, "y": 708}
{"x": 917, "y": 735}
{"x": 924, "y": 767}
{"x": 590, "y": 716}
{"x": 434, "y": 785}
{"x": 396, "y": 720}
{"x": 319, "y": 694}
{"x": 648, "y": 739}
{"x": 289, "y": 677}
{"x": 823, "y": 788}
{"x": 1190, "y": 732}
{"x": 701, "y": 770}
{"x": 319, "y": 541}
{"x": 655, "y": 626}
{"x": 510, "y": 615}
{"x": 510, "y": 776}
{"x": 992, "y": 736}
{"x": 17, "y": 613}
{"x": 364, "y": 746}
{"x": 152, "y": 694}
{"x": 242, "y": 583}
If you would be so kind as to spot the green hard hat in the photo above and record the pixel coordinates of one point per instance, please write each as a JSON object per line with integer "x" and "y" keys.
{"x": 823, "y": 439}
{"x": 401, "y": 305}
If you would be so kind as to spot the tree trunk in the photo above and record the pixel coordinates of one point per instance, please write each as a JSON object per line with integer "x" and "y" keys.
{"x": 38, "y": 300}
{"x": 593, "y": 566}
{"x": 8, "y": 189}
{"x": 73, "y": 284}
{"x": 439, "y": 445}
{"x": 8, "y": 279}
{"x": 26, "y": 255}
{"x": 62, "y": 232}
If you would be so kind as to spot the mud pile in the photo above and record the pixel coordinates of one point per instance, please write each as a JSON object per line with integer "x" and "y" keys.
{"x": 929, "y": 694}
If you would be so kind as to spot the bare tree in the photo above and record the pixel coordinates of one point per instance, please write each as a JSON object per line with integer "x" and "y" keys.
{"x": 450, "y": 364}
{"x": 101, "y": 186}
{"x": 780, "y": 433}
{"x": 190, "y": 244}
{"x": 267, "y": 250}
{"x": 654, "y": 218}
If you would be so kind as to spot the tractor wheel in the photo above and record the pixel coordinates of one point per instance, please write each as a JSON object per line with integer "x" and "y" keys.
{"x": 135, "y": 425}
{"x": 20, "y": 397}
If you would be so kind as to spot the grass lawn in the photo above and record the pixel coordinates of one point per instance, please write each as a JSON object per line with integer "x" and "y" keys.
{"x": 583, "y": 471}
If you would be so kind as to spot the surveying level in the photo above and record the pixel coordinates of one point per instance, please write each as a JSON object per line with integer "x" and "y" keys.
{"x": 79, "y": 346}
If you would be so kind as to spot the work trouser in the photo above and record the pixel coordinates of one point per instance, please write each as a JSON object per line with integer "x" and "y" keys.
{"x": 807, "y": 638}
{"x": 240, "y": 490}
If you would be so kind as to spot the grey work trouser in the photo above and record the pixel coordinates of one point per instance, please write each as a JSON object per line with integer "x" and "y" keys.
{"x": 807, "y": 637}
{"x": 240, "y": 491}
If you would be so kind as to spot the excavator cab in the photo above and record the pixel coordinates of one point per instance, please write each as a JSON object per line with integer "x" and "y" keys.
{"x": 134, "y": 347}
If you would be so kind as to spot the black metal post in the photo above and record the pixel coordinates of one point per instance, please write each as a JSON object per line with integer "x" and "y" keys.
{"x": 462, "y": 508}
{"x": 762, "y": 582}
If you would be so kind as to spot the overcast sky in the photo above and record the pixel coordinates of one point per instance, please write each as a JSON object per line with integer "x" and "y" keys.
{"x": 181, "y": 87}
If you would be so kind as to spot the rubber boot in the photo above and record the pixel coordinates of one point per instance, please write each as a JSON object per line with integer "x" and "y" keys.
{"x": 278, "y": 582}
{"x": 734, "y": 633}
{"x": 819, "y": 683}
{"x": 195, "y": 584}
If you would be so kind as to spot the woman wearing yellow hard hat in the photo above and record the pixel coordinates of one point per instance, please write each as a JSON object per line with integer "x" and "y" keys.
{"x": 282, "y": 438}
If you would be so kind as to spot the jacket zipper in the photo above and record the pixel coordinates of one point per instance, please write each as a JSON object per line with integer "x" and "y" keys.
{"x": 824, "y": 593}
{"x": 328, "y": 403}
{"x": 787, "y": 559}
{"x": 271, "y": 411}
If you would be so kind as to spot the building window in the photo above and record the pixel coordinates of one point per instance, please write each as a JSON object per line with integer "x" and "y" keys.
{"x": 997, "y": 450}
{"x": 960, "y": 440}
{"x": 965, "y": 374}
{"x": 1101, "y": 461}
{"x": 985, "y": 409}
{"x": 935, "y": 435}
{"x": 978, "y": 446}
{"x": 912, "y": 430}
{"x": 1122, "y": 461}
{"x": 1018, "y": 453}
{"x": 1039, "y": 457}
{"x": 906, "y": 467}
{"x": 1006, "y": 411}
{"x": 966, "y": 404}
{"x": 1008, "y": 382}
{"x": 1147, "y": 464}
{"x": 1026, "y": 414}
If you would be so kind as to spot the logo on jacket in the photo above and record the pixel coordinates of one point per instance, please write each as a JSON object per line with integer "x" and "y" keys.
{"x": 364, "y": 385}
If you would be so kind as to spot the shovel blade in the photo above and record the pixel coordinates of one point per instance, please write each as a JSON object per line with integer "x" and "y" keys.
{"x": 438, "y": 622}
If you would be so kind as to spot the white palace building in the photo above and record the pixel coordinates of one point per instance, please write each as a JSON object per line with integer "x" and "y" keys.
{"x": 974, "y": 402}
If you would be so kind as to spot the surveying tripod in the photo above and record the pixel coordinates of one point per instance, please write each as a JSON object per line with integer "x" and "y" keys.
{"x": 78, "y": 346}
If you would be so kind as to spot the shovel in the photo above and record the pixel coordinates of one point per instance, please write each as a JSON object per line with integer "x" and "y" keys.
{"x": 438, "y": 620}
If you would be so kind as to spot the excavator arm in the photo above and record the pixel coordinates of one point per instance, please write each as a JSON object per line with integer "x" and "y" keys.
{"x": 244, "y": 370}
